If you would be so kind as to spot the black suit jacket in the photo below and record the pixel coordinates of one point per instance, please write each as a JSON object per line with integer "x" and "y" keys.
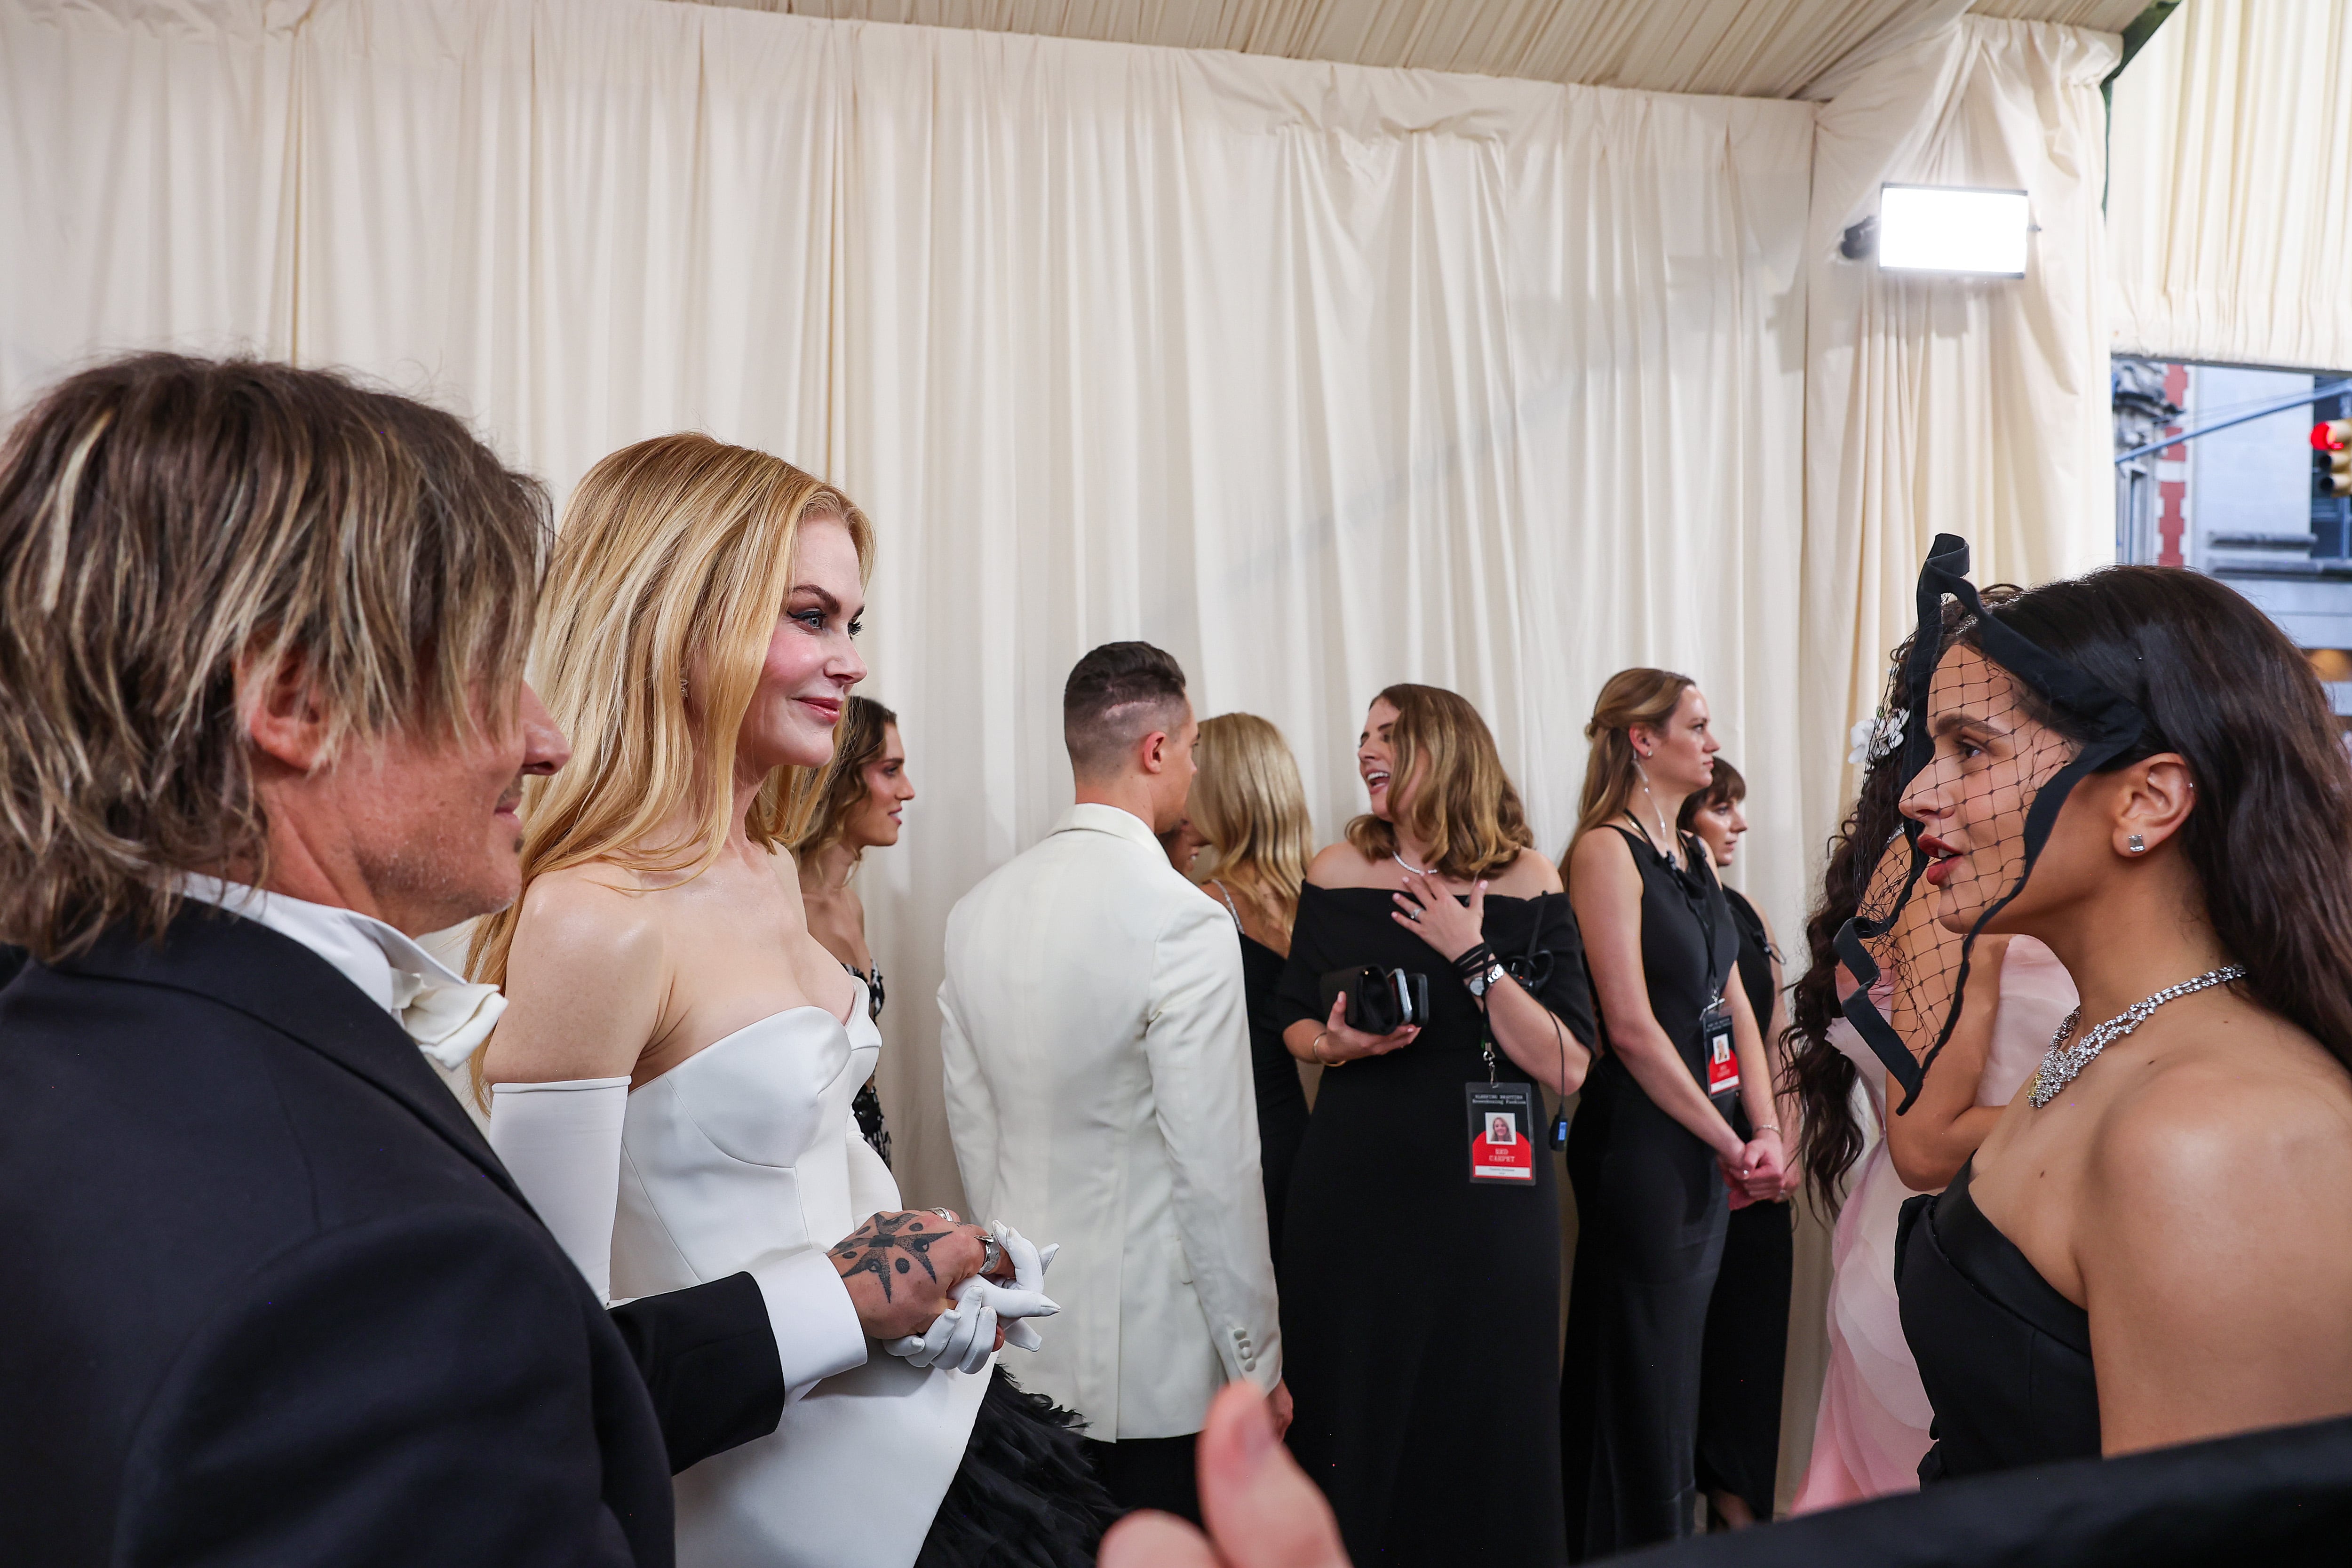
{"x": 270, "y": 1298}
{"x": 2281, "y": 1498}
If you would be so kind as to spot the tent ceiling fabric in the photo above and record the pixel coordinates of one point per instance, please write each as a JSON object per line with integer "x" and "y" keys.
{"x": 1745, "y": 48}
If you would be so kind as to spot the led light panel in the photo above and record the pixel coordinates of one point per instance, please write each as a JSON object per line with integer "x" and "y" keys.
{"x": 1952, "y": 229}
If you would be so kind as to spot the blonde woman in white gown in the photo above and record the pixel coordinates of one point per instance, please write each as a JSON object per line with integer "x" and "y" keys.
{"x": 673, "y": 1073}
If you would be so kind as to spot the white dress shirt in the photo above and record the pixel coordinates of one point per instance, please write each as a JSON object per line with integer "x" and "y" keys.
{"x": 1095, "y": 1040}
{"x": 447, "y": 1015}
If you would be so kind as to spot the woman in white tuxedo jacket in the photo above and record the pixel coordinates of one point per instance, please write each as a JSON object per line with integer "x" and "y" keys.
{"x": 674, "y": 1070}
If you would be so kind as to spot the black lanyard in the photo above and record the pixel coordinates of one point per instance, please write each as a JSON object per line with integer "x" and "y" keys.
{"x": 1702, "y": 908}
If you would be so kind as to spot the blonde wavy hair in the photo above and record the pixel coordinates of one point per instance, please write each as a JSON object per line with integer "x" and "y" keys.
{"x": 1249, "y": 803}
{"x": 673, "y": 555}
{"x": 1613, "y": 774}
{"x": 1466, "y": 810}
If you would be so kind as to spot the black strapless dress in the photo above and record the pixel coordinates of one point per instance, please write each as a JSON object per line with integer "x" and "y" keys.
{"x": 2005, "y": 1358}
{"x": 1425, "y": 1412}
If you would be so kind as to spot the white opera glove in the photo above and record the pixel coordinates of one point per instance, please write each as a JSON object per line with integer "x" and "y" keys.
{"x": 1025, "y": 1298}
{"x": 562, "y": 1143}
{"x": 963, "y": 1337}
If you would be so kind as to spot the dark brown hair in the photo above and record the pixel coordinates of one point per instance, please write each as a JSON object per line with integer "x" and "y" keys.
{"x": 163, "y": 519}
{"x": 1818, "y": 1074}
{"x": 1466, "y": 811}
{"x": 836, "y": 789}
{"x": 1116, "y": 695}
{"x": 2269, "y": 837}
{"x": 1724, "y": 788}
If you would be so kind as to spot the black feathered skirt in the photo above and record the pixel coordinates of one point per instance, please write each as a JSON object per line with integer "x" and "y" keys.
{"x": 1025, "y": 1495}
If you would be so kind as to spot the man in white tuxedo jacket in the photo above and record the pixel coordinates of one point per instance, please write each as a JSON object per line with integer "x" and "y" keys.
{"x": 1098, "y": 1070}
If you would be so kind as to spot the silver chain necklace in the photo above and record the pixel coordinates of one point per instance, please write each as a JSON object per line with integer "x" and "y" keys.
{"x": 2062, "y": 1064}
{"x": 1665, "y": 840}
{"x": 1411, "y": 866}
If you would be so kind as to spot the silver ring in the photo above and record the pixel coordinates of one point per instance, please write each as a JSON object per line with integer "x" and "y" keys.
{"x": 948, "y": 1214}
{"x": 994, "y": 1256}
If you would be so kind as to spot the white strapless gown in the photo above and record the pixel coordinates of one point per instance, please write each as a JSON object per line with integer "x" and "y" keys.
{"x": 746, "y": 1149}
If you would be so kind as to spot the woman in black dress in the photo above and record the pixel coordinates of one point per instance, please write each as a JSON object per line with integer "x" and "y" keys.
{"x": 853, "y": 804}
{"x": 1424, "y": 1406}
{"x": 1651, "y": 1155}
{"x": 2154, "y": 1243}
{"x": 1744, "y": 1355}
{"x": 1249, "y": 809}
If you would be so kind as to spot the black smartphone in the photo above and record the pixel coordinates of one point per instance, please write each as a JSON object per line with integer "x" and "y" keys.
{"x": 1379, "y": 1001}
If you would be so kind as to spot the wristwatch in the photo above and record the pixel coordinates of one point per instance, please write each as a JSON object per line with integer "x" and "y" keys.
{"x": 1480, "y": 982}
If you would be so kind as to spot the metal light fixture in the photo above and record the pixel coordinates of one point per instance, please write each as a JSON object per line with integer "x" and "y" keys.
{"x": 1955, "y": 230}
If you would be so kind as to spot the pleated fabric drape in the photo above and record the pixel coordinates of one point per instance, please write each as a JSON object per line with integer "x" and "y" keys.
{"x": 2230, "y": 205}
{"x": 1936, "y": 404}
{"x": 1321, "y": 376}
{"x": 1780, "y": 48}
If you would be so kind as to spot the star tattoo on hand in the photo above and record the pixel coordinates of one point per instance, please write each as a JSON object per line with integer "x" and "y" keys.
{"x": 891, "y": 1244}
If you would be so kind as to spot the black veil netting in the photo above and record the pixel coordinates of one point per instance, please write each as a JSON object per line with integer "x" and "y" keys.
{"x": 2015, "y": 773}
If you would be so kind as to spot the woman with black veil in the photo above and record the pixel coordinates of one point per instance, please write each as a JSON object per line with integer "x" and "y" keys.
{"x": 2154, "y": 1244}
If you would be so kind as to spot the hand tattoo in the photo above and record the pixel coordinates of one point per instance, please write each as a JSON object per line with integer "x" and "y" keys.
{"x": 892, "y": 1243}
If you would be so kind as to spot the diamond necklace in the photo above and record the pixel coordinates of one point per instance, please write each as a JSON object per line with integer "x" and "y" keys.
{"x": 2059, "y": 1066}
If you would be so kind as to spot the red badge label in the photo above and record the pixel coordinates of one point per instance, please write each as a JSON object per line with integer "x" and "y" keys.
{"x": 1722, "y": 1067}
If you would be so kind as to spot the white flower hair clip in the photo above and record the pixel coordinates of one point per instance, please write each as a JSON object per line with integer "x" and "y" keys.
{"x": 1875, "y": 740}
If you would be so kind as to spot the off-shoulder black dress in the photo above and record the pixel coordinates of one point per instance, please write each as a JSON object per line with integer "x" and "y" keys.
{"x": 1420, "y": 1314}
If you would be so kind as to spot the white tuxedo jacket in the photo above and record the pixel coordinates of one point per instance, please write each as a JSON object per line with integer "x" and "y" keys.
{"x": 1095, "y": 1043}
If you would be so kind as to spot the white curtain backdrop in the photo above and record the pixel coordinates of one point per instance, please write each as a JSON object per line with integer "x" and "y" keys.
{"x": 1320, "y": 376}
{"x": 1938, "y": 405}
{"x": 2231, "y": 205}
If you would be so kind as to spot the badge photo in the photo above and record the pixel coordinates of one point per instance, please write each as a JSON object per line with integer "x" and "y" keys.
{"x": 1722, "y": 1066}
{"x": 1502, "y": 1132}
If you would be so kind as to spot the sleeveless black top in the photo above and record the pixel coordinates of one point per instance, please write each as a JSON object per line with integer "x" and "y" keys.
{"x": 1689, "y": 943}
{"x": 2005, "y": 1358}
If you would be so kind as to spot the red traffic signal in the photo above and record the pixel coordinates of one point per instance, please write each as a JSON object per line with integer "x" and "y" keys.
{"x": 2333, "y": 469}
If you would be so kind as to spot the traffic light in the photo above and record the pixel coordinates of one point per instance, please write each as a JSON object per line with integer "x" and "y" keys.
{"x": 2331, "y": 464}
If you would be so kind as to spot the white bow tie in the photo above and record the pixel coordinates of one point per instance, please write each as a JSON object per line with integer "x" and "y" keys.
{"x": 447, "y": 1022}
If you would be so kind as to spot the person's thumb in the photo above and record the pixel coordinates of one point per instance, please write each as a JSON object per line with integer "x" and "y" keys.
{"x": 1260, "y": 1510}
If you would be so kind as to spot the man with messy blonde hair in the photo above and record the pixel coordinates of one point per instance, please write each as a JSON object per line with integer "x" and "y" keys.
{"x": 271, "y": 1296}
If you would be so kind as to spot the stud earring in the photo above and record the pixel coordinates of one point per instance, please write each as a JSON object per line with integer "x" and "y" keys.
{"x": 2135, "y": 844}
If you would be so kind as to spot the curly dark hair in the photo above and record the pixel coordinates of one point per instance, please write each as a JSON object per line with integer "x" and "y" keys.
{"x": 1818, "y": 1074}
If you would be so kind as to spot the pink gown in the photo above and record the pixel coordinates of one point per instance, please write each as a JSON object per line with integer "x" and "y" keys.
{"x": 1871, "y": 1430}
